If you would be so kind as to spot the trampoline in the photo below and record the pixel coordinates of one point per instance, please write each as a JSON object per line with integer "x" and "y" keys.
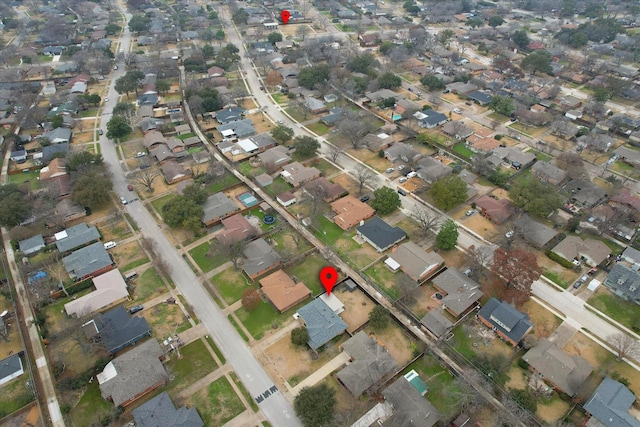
{"x": 269, "y": 219}
{"x": 247, "y": 199}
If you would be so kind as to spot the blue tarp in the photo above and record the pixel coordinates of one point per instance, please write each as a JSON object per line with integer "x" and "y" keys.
{"x": 39, "y": 275}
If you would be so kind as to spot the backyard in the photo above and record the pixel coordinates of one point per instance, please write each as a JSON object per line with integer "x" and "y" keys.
{"x": 91, "y": 408}
{"x": 217, "y": 403}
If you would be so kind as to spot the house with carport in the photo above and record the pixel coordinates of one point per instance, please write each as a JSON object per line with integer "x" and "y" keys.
{"x": 591, "y": 252}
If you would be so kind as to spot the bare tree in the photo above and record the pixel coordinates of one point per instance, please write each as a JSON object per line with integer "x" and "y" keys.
{"x": 364, "y": 176}
{"x": 334, "y": 152}
{"x": 354, "y": 126}
{"x": 427, "y": 219}
{"x": 233, "y": 250}
{"x": 478, "y": 258}
{"x": 624, "y": 345}
{"x": 146, "y": 177}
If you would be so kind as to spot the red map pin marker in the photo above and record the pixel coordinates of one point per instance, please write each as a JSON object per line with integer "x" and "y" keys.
{"x": 285, "y": 15}
{"x": 328, "y": 278}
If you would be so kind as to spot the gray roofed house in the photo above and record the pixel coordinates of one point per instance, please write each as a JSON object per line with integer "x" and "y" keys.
{"x": 260, "y": 258}
{"x": 58, "y": 135}
{"x": 297, "y": 174}
{"x": 514, "y": 157}
{"x": 76, "y": 236}
{"x": 548, "y": 172}
{"x": 162, "y": 153}
{"x": 277, "y": 156}
{"x": 430, "y": 118}
{"x": 87, "y": 261}
{"x": 535, "y": 232}
{"x": 401, "y": 151}
{"x": 565, "y": 372}
{"x": 216, "y": 207}
{"x": 161, "y": 412}
{"x": 416, "y": 262}
{"x": 315, "y": 105}
{"x": 509, "y": 323}
{"x": 590, "y": 251}
{"x": 117, "y": 329}
{"x": 229, "y": 115}
{"x": 457, "y": 129}
{"x": 50, "y": 150}
{"x": 322, "y": 323}
{"x": 625, "y": 282}
{"x": 610, "y": 404}
{"x": 631, "y": 255}
{"x": 370, "y": 364}
{"x": 240, "y": 128}
{"x": 410, "y": 408}
{"x": 380, "y": 94}
{"x": 334, "y": 116}
{"x": 31, "y": 245}
{"x": 585, "y": 193}
{"x": 460, "y": 291}
{"x": 480, "y": 97}
{"x": 264, "y": 141}
{"x": 377, "y": 141}
{"x": 461, "y": 87}
{"x": 133, "y": 374}
{"x": 436, "y": 322}
{"x": 432, "y": 169}
{"x": 10, "y": 368}
{"x": 380, "y": 235}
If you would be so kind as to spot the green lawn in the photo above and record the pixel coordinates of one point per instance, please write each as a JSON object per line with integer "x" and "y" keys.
{"x": 612, "y": 305}
{"x": 148, "y": 284}
{"x": 216, "y": 350}
{"x": 231, "y": 284}
{"x": 246, "y": 169}
{"x": 263, "y": 318}
{"x": 497, "y": 116}
{"x": 462, "y": 342}
{"x": 543, "y": 156}
{"x": 220, "y": 184}
{"x": 235, "y": 325}
{"x": 438, "y": 380}
{"x": 207, "y": 263}
{"x": 218, "y": 403}
{"x": 555, "y": 278}
{"x": 329, "y": 231}
{"x": 308, "y": 272}
{"x": 185, "y": 136}
{"x": 244, "y": 391}
{"x": 318, "y": 128}
{"x": 91, "y": 408}
{"x": 32, "y": 177}
{"x": 161, "y": 201}
{"x": 278, "y": 186}
{"x": 135, "y": 264}
{"x": 462, "y": 149}
{"x": 280, "y": 98}
{"x": 196, "y": 362}
{"x": 297, "y": 116}
{"x": 384, "y": 278}
{"x": 323, "y": 166}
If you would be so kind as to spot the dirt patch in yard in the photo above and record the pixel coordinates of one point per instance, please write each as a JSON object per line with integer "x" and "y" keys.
{"x": 77, "y": 354}
{"x": 545, "y": 322}
{"x": 165, "y": 319}
{"x": 397, "y": 341}
{"x": 481, "y": 225}
{"x": 517, "y": 378}
{"x": 348, "y": 183}
{"x": 128, "y": 253}
{"x": 370, "y": 158}
{"x": 357, "y": 306}
{"x": 553, "y": 409}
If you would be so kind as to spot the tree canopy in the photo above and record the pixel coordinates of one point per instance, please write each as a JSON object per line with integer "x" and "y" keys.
{"x": 521, "y": 39}
{"x": 502, "y": 104}
{"x": 274, "y": 37}
{"x": 118, "y": 127}
{"x": 311, "y": 76}
{"x": 535, "y": 197}
{"x": 314, "y": 405}
{"x": 518, "y": 269}
{"x": 300, "y": 336}
{"x": 92, "y": 187}
{"x": 379, "y": 318}
{"x": 432, "y": 82}
{"x": 538, "y": 61}
{"x": 282, "y": 134}
{"x": 361, "y": 63}
{"x": 183, "y": 212}
{"x": 389, "y": 81}
{"x": 496, "y": 21}
{"x": 139, "y": 23}
{"x": 14, "y": 208}
{"x": 448, "y": 192}
{"x": 447, "y": 237}
{"x": 306, "y": 146}
{"x": 385, "y": 200}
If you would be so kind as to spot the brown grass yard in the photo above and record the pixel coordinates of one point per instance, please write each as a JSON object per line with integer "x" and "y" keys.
{"x": 114, "y": 228}
{"x": 552, "y": 409}
{"x": 545, "y": 322}
{"x": 127, "y": 253}
{"x": 481, "y": 225}
{"x": 396, "y": 340}
{"x": 75, "y": 358}
{"x": 357, "y": 306}
{"x": 165, "y": 320}
{"x": 349, "y": 183}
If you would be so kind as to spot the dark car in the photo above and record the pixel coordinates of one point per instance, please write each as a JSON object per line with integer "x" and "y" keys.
{"x": 407, "y": 172}
{"x": 364, "y": 198}
{"x": 135, "y": 309}
{"x": 130, "y": 187}
{"x": 100, "y": 132}
{"x": 401, "y": 192}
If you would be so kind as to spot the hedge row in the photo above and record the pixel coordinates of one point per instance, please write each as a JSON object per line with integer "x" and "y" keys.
{"x": 557, "y": 258}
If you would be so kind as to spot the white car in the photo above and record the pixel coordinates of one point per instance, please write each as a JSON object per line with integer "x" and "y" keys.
{"x": 280, "y": 122}
{"x": 403, "y": 179}
{"x": 140, "y": 154}
{"x": 400, "y": 167}
{"x": 509, "y": 234}
{"x": 389, "y": 170}
{"x": 457, "y": 110}
{"x": 106, "y": 100}
{"x": 123, "y": 200}
{"x": 412, "y": 174}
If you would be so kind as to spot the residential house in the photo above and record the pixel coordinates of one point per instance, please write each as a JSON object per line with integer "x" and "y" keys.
{"x": 153, "y": 139}
{"x": 283, "y": 291}
{"x": 626, "y": 203}
{"x": 236, "y": 228}
{"x": 229, "y": 115}
{"x": 350, "y": 211}
{"x": 260, "y": 258}
{"x": 297, "y": 174}
{"x": 402, "y": 151}
{"x": 510, "y": 324}
{"x": 457, "y": 129}
{"x": 379, "y": 234}
{"x": 562, "y": 371}
{"x": 431, "y": 169}
{"x": 215, "y": 71}
{"x": 88, "y": 261}
{"x": 56, "y": 167}
{"x": 596, "y": 142}
{"x": 460, "y": 88}
{"x": 68, "y": 210}
{"x": 322, "y": 323}
{"x": 116, "y": 329}
{"x": 547, "y": 172}
{"x": 534, "y": 232}
{"x": 497, "y": 211}
{"x": 173, "y": 172}
{"x": 176, "y": 145}
{"x": 75, "y": 237}
{"x": 480, "y": 98}
{"x": 315, "y": 105}
{"x": 50, "y": 150}
{"x": 417, "y": 263}
{"x": 625, "y": 282}
{"x": 631, "y": 255}
{"x": 238, "y": 129}
{"x": 410, "y": 408}
{"x": 286, "y": 199}
{"x": 275, "y": 157}
{"x": 592, "y": 252}
{"x": 516, "y": 158}
{"x": 437, "y": 323}
{"x": 460, "y": 293}
{"x": 480, "y": 144}
{"x": 377, "y": 142}
{"x": 369, "y": 39}
{"x": 628, "y": 155}
{"x": 110, "y": 289}
{"x": 335, "y": 115}
{"x": 11, "y": 368}
{"x": 161, "y": 412}
{"x": 324, "y": 188}
{"x": 429, "y": 118}
{"x": 216, "y": 207}
{"x": 610, "y": 404}
{"x": 58, "y": 135}
{"x": 31, "y": 245}
{"x": 133, "y": 374}
{"x": 18, "y": 156}
{"x": 380, "y": 95}
{"x": 584, "y": 193}
{"x": 370, "y": 364}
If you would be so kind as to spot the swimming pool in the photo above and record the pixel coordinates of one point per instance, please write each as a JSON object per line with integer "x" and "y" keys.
{"x": 247, "y": 199}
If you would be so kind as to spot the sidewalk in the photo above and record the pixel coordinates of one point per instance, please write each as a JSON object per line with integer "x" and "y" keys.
{"x": 322, "y": 372}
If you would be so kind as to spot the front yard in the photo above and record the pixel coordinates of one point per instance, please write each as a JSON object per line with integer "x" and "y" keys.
{"x": 195, "y": 363}
{"x": 217, "y": 404}
{"x": 612, "y": 305}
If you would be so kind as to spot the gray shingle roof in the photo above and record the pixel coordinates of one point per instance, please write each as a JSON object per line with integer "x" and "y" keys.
{"x": 218, "y": 206}
{"x": 161, "y": 412}
{"x": 436, "y": 322}
{"x": 381, "y": 234}
{"x": 32, "y": 244}
{"x": 322, "y": 323}
{"x": 77, "y": 236}
{"x": 415, "y": 261}
{"x": 625, "y": 282}
{"x": 229, "y": 115}
{"x": 87, "y": 260}
{"x": 10, "y": 366}
{"x": 259, "y": 256}
{"x": 610, "y": 404}
{"x": 241, "y": 128}
{"x": 370, "y": 364}
{"x": 462, "y": 291}
{"x": 118, "y": 329}
{"x": 506, "y": 319}
{"x": 410, "y": 408}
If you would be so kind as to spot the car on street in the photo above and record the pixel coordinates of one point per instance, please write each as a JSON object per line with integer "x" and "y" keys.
{"x": 106, "y": 100}
{"x": 136, "y": 308}
{"x": 115, "y": 67}
{"x": 123, "y": 200}
{"x": 280, "y": 121}
{"x": 130, "y": 187}
{"x": 262, "y": 88}
{"x": 403, "y": 179}
{"x": 457, "y": 110}
{"x": 364, "y": 198}
{"x": 389, "y": 170}
{"x": 402, "y": 192}
{"x": 100, "y": 132}
{"x": 400, "y": 167}
{"x": 471, "y": 212}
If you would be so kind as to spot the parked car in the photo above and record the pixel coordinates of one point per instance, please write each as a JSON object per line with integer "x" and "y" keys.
{"x": 140, "y": 154}
{"x": 400, "y": 167}
{"x": 412, "y": 174}
{"x": 136, "y": 308}
{"x": 130, "y": 187}
{"x": 576, "y": 262}
{"x": 389, "y": 170}
{"x": 280, "y": 122}
{"x": 471, "y": 212}
{"x": 401, "y": 192}
{"x": 580, "y": 281}
{"x": 364, "y": 198}
{"x": 123, "y": 200}
{"x": 403, "y": 179}
{"x": 106, "y": 100}
{"x": 457, "y": 110}
{"x": 509, "y": 234}
{"x": 100, "y": 132}
{"x": 110, "y": 245}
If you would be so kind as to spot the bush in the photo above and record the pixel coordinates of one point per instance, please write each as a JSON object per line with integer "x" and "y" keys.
{"x": 523, "y": 363}
{"x": 557, "y": 258}
{"x": 300, "y": 336}
{"x": 80, "y": 286}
